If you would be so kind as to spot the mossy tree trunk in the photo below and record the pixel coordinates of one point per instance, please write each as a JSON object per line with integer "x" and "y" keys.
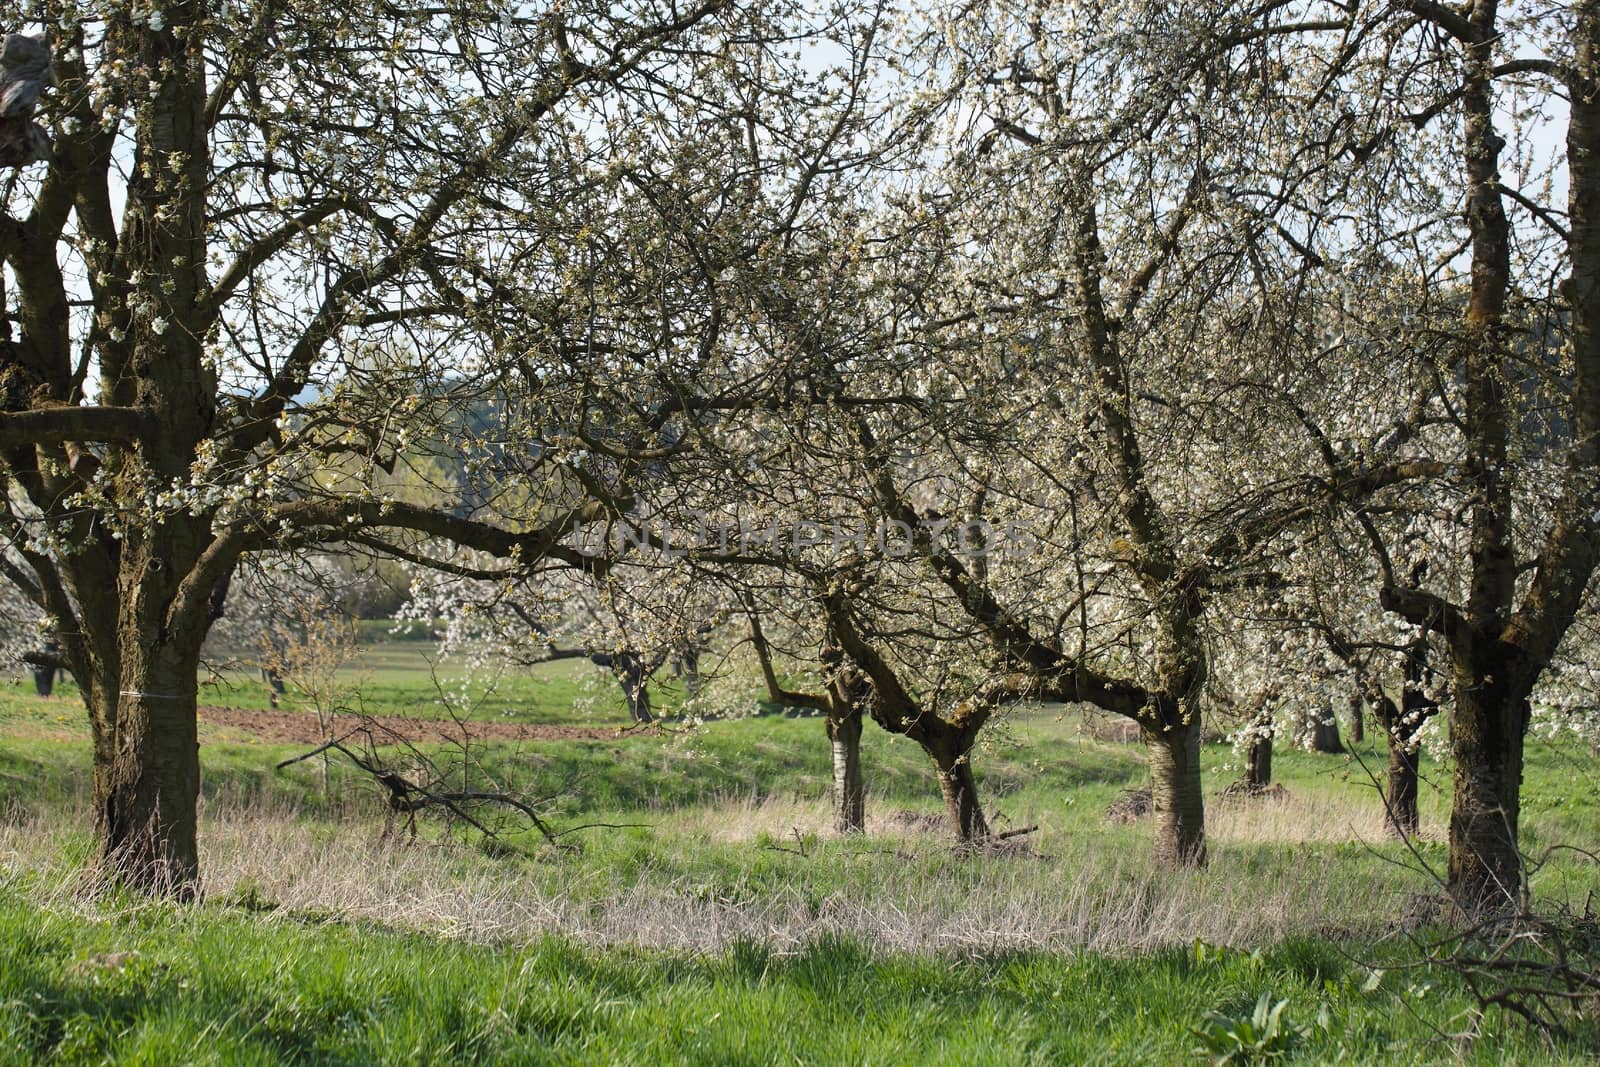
{"x": 951, "y": 752}
{"x": 1519, "y": 599}
{"x": 1486, "y": 740}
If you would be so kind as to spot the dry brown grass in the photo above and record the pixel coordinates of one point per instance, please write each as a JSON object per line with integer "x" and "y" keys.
{"x": 893, "y": 888}
{"x": 740, "y": 820}
{"x": 1306, "y": 817}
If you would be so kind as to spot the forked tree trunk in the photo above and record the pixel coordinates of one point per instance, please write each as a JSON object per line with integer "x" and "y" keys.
{"x": 1176, "y": 797}
{"x": 849, "y": 787}
{"x": 1497, "y": 653}
{"x": 635, "y": 682}
{"x": 1493, "y": 675}
{"x": 1486, "y": 730}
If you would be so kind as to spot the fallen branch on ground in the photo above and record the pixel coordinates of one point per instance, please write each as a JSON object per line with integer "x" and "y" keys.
{"x": 410, "y": 793}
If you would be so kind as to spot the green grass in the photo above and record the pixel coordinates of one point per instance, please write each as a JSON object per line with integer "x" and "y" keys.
{"x": 411, "y": 678}
{"x": 1038, "y": 768}
{"x": 718, "y": 920}
{"x": 160, "y": 985}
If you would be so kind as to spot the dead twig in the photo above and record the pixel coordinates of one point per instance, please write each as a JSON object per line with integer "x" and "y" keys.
{"x": 1020, "y": 831}
{"x": 424, "y": 785}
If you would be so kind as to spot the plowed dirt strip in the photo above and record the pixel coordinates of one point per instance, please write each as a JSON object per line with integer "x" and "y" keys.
{"x": 296, "y": 728}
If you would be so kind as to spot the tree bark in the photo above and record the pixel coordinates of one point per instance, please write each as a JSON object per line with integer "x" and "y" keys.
{"x": 1401, "y": 723}
{"x": 1403, "y": 818}
{"x": 1486, "y": 729}
{"x": 849, "y": 787}
{"x": 1322, "y": 733}
{"x": 1258, "y": 756}
{"x": 960, "y": 794}
{"x": 146, "y": 798}
{"x": 1358, "y": 721}
{"x": 275, "y": 686}
{"x": 636, "y": 687}
{"x": 633, "y": 676}
{"x": 1176, "y": 795}
{"x": 949, "y": 745}
{"x": 686, "y": 665}
{"x": 1496, "y": 655}
{"x": 1498, "y": 651}
{"x": 1486, "y": 739}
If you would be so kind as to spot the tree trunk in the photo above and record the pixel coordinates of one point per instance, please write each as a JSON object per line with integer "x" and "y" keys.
{"x": 1258, "y": 756}
{"x": 686, "y": 665}
{"x": 1486, "y": 730}
{"x": 1322, "y": 733}
{"x": 960, "y": 794}
{"x": 144, "y": 701}
{"x": 1358, "y": 721}
{"x": 636, "y": 688}
{"x": 44, "y": 676}
{"x": 275, "y": 686}
{"x": 950, "y": 748}
{"x": 1403, "y": 818}
{"x": 1401, "y": 723}
{"x": 1176, "y": 795}
{"x": 849, "y": 787}
{"x": 1486, "y": 739}
{"x": 146, "y": 798}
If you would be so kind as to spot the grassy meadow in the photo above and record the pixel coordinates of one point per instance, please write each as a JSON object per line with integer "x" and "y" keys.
{"x": 699, "y": 909}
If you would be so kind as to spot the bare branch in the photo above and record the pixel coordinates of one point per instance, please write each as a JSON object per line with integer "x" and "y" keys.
{"x": 58, "y": 425}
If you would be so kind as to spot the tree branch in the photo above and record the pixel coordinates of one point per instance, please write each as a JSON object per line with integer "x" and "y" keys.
{"x": 1452, "y": 22}
{"x": 57, "y": 425}
{"x": 775, "y": 692}
{"x": 263, "y": 249}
